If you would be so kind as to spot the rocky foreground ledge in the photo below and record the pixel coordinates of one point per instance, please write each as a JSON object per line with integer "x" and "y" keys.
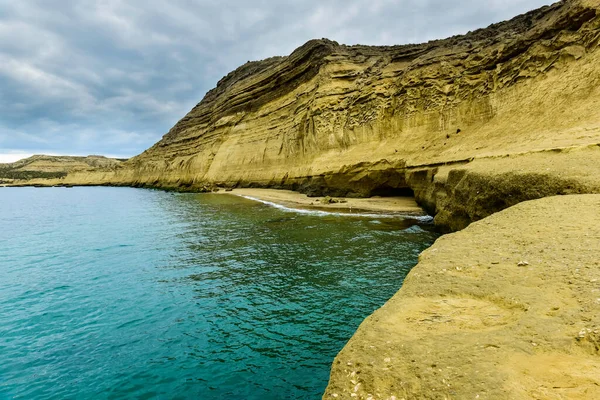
{"x": 505, "y": 309}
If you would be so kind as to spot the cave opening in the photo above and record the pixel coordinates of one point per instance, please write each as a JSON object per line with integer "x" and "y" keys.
{"x": 389, "y": 191}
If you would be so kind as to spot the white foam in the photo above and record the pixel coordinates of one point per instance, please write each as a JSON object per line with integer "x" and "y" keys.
{"x": 421, "y": 218}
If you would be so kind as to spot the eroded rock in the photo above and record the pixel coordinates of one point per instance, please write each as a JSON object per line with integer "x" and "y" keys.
{"x": 467, "y": 322}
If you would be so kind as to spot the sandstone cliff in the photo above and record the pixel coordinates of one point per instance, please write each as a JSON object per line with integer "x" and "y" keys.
{"x": 360, "y": 121}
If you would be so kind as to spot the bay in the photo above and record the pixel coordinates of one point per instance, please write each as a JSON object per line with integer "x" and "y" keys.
{"x": 132, "y": 293}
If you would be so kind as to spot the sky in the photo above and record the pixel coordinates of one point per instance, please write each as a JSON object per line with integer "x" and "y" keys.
{"x": 110, "y": 77}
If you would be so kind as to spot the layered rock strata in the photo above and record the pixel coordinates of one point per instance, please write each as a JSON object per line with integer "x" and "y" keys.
{"x": 329, "y": 111}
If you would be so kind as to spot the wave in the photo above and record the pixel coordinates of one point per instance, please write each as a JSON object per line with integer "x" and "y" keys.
{"x": 420, "y": 218}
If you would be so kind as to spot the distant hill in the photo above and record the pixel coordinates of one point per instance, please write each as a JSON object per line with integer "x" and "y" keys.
{"x": 53, "y": 167}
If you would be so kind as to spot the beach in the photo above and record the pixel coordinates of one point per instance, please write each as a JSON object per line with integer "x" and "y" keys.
{"x": 288, "y": 198}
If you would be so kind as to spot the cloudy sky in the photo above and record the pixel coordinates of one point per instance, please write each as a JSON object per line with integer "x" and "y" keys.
{"x": 111, "y": 77}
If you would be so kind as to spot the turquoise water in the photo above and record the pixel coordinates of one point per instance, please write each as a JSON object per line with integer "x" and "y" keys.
{"x": 131, "y": 293}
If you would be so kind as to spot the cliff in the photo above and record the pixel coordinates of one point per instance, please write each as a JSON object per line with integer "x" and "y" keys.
{"x": 360, "y": 121}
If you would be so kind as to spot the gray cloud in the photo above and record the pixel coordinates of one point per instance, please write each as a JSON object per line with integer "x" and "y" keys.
{"x": 111, "y": 77}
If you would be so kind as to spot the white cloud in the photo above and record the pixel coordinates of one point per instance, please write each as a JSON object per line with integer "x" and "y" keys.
{"x": 12, "y": 157}
{"x": 46, "y": 84}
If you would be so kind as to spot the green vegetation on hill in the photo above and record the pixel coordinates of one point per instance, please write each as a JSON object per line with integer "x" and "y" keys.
{"x": 44, "y": 167}
{"x": 13, "y": 173}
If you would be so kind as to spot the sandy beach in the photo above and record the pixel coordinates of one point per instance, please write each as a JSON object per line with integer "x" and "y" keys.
{"x": 288, "y": 198}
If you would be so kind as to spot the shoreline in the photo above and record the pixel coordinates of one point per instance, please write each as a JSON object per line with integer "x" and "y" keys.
{"x": 401, "y": 205}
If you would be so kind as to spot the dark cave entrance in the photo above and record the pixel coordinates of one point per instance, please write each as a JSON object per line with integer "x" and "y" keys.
{"x": 389, "y": 191}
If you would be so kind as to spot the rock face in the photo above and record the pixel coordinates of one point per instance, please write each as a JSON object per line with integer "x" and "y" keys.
{"x": 461, "y": 193}
{"x": 505, "y": 309}
{"x": 358, "y": 121}
{"x": 327, "y": 106}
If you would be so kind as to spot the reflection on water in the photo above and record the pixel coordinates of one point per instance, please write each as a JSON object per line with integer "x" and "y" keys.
{"x": 119, "y": 293}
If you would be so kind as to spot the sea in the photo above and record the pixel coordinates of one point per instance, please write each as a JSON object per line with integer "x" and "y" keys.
{"x": 123, "y": 293}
